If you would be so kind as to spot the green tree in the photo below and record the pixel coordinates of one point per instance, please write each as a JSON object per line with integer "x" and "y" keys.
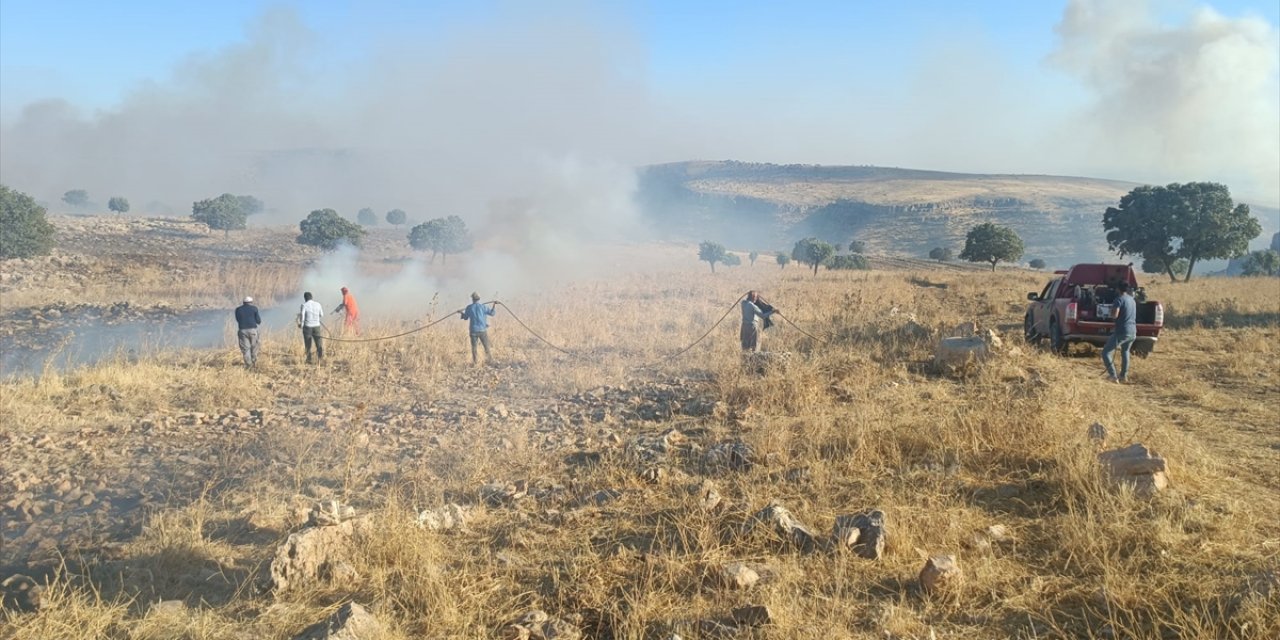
{"x": 1037, "y": 263}
{"x": 783, "y": 259}
{"x": 711, "y": 253}
{"x": 222, "y": 213}
{"x": 941, "y": 254}
{"x": 1262, "y": 263}
{"x": 396, "y": 217}
{"x": 326, "y": 229}
{"x": 847, "y": 262}
{"x": 250, "y": 205}
{"x": 813, "y": 252}
{"x": 857, "y": 246}
{"x": 441, "y": 236}
{"x": 1177, "y": 268}
{"x": 76, "y": 197}
{"x": 732, "y": 260}
{"x": 992, "y": 243}
{"x": 24, "y": 230}
{"x": 367, "y": 217}
{"x": 118, "y": 204}
{"x": 1192, "y": 221}
{"x": 753, "y": 256}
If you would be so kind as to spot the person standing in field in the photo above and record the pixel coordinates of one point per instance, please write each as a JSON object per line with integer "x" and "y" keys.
{"x": 1122, "y": 337}
{"x": 247, "y": 323}
{"x": 755, "y": 316}
{"x": 478, "y": 314}
{"x": 309, "y": 316}
{"x": 352, "y": 319}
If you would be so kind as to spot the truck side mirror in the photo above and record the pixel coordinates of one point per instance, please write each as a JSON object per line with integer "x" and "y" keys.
{"x": 1033, "y": 296}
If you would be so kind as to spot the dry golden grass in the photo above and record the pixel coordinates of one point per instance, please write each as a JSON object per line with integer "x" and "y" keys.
{"x": 860, "y": 412}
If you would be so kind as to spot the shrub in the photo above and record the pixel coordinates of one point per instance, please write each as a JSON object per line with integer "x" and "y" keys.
{"x": 24, "y": 231}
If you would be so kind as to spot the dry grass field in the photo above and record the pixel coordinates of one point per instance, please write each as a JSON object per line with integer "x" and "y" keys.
{"x": 584, "y": 475}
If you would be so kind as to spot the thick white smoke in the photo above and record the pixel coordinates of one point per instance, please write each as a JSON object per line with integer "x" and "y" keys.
{"x": 1175, "y": 102}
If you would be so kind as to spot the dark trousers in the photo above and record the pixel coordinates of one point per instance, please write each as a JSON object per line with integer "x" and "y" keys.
{"x": 483, "y": 338}
{"x": 309, "y": 335}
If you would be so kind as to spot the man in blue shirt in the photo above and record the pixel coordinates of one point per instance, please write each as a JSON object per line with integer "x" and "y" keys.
{"x": 754, "y": 313}
{"x": 1122, "y": 337}
{"x": 247, "y": 323}
{"x": 478, "y": 314}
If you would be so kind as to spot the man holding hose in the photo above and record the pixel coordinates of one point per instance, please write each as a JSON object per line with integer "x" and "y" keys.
{"x": 478, "y": 314}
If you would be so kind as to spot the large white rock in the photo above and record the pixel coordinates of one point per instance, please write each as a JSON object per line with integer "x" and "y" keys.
{"x": 1137, "y": 466}
{"x": 959, "y": 352}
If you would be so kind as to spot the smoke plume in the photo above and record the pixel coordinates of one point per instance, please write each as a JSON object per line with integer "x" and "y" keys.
{"x": 1193, "y": 101}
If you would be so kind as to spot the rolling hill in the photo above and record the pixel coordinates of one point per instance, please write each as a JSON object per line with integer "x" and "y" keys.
{"x": 894, "y": 211}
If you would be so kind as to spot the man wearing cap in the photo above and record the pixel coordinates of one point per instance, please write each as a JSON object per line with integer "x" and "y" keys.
{"x": 248, "y": 321}
{"x": 1122, "y": 337}
{"x": 478, "y": 315}
{"x": 352, "y": 323}
{"x": 309, "y": 316}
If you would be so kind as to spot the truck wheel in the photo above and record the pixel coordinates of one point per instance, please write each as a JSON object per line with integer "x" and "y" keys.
{"x": 1029, "y": 330}
{"x": 1057, "y": 343}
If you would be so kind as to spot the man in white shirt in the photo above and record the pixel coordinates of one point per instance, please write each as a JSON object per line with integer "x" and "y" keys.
{"x": 309, "y": 319}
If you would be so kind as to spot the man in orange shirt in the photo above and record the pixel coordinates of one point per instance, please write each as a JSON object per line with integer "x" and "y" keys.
{"x": 352, "y": 324}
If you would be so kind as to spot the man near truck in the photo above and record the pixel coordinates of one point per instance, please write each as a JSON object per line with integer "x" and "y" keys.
{"x": 1122, "y": 337}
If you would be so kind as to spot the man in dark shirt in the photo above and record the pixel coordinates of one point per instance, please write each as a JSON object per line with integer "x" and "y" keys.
{"x": 1122, "y": 337}
{"x": 248, "y": 321}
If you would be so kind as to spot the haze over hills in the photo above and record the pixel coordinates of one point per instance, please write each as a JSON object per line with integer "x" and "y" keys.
{"x": 896, "y": 211}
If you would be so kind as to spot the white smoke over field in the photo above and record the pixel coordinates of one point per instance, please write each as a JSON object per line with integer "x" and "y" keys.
{"x": 1175, "y": 102}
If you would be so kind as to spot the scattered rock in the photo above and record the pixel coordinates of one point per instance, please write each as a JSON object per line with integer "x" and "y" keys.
{"x": 752, "y": 615}
{"x": 443, "y": 518}
{"x": 786, "y": 525}
{"x": 870, "y": 538}
{"x": 537, "y": 625}
{"x": 328, "y": 513}
{"x": 351, "y": 622}
{"x": 708, "y": 497}
{"x": 1098, "y": 433}
{"x": 316, "y": 555}
{"x": 20, "y": 593}
{"x": 499, "y": 493}
{"x": 738, "y": 456}
{"x": 940, "y": 574}
{"x": 956, "y": 353}
{"x": 653, "y": 475}
{"x": 737, "y": 575}
{"x": 1137, "y": 466}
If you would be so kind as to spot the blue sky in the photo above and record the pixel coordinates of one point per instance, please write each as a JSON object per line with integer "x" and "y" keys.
{"x": 92, "y": 53}
{"x": 981, "y": 86}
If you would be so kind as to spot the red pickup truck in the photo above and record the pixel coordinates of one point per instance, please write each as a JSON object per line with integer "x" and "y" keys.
{"x": 1078, "y": 306}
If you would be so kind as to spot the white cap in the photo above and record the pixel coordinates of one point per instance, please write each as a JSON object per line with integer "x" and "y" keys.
{"x": 247, "y": 299}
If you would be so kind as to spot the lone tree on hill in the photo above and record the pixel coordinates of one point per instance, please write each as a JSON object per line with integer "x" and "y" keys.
{"x": 367, "y": 217}
{"x": 857, "y": 246}
{"x": 326, "y": 229}
{"x": 441, "y": 236}
{"x": 1036, "y": 264}
{"x": 711, "y": 253}
{"x": 992, "y": 243}
{"x": 76, "y": 197}
{"x": 118, "y": 204}
{"x": 1192, "y": 221}
{"x": 813, "y": 252}
{"x": 941, "y": 254}
{"x": 396, "y": 217}
{"x": 753, "y": 256}
{"x": 223, "y": 213}
{"x": 1262, "y": 263}
{"x": 250, "y": 205}
{"x": 782, "y": 259}
{"x": 24, "y": 230}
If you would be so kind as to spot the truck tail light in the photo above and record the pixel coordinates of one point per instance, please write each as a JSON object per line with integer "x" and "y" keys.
{"x": 1159, "y": 315}
{"x": 1071, "y": 312}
